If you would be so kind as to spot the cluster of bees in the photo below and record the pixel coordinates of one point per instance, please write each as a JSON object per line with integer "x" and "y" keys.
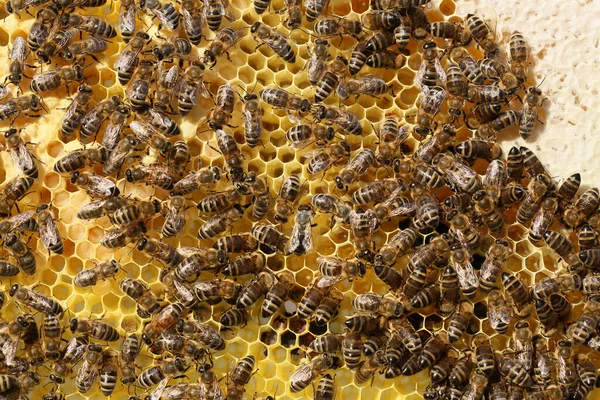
{"x": 452, "y": 199}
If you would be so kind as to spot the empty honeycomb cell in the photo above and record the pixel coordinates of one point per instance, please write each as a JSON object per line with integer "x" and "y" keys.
{"x": 61, "y": 291}
{"x": 533, "y": 262}
{"x": 76, "y": 232}
{"x": 84, "y": 250}
{"x": 524, "y": 248}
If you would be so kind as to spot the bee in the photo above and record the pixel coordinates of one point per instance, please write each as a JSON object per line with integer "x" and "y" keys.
{"x": 95, "y": 328}
{"x": 356, "y": 167}
{"x": 433, "y": 351}
{"x": 328, "y": 343}
{"x": 305, "y": 374}
{"x": 127, "y": 20}
{"x": 252, "y": 113}
{"x": 230, "y": 150}
{"x": 581, "y": 330}
{"x": 529, "y": 115}
{"x": 102, "y": 271}
{"x": 201, "y": 332}
{"x": 484, "y": 354}
{"x": 429, "y": 107}
{"x": 482, "y": 33}
{"x": 217, "y": 289}
{"x": 468, "y": 65}
{"x": 543, "y": 219}
{"x": 280, "y": 98}
{"x": 498, "y": 312}
{"x": 175, "y": 216}
{"x": 497, "y": 255}
{"x": 166, "y": 84}
{"x": 11, "y": 192}
{"x": 219, "y": 223}
{"x": 214, "y": 11}
{"x": 515, "y": 373}
{"x": 205, "y": 176}
{"x": 146, "y": 301}
{"x": 177, "y": 345}
{"x": 276, "y": 41}
{"x": 397, "y": 4}
{"x": 352, "y": 348}
{"x": 322, "y": 159}
{"x": 246, "y": 264}
{"x": 486, "y": 94}
{"x": 478, "y": 381}
{"x": 473, "y": 149}
{"x": 335, "y": 270}
{"x": 519, "y": 54}
{"x": 79, "y": 159}
{"x": 317, "y": 63}
{"x": 51, "y": 337}
{"x": 163, "y": 252}
{"x": 173, "y": 47}
{"x": 490, "y": 130}
{"x": 92, "y": 25}
{"x": 378, "y": 191}
{"x": 385, "y": 59}
{"x": 255, "y": 289}
{"x": 496, "y": 68}
{"x": 332, "y": 204}
{"x": 518, "y": 293}
{"x": 121, "y": 237}
{"x": 585, "y": 205}
{"x": 167, "y": 14}
{"x": 135, "y": 211}
{"x": 337, "y": 26}
{"x": 442, "y": 138}
{"x": 460, "y": 321}
{"x": 35, "y": 300}
{"x": 17, "y": 56}
{"x": 301, "y": 239}
{"x": 12, "y": 108}
{"x": 542, "y": 363}
{"x": 140, "y": 86}
{"x": 128, "y": 59}
{"x": 397, "y": 246}
{"x": 359, "y": 56}
{"x": 458, "y": 174}
{"x": 167, "y": 368}
{"x": 157, "y": 174}
{"x": 146, "y": 134}
{"x": 490, "y": 214}
{"x": 277, "y": 294}
{"x": 328, "y": 307}
{"x": 225, "y": 38}
{"x": 451, "y": 31}
{"x": 162, "y": 321}
{"x": 130, "y": 349}
{"x": 54, "y": 45}
{"x": 48, "y": 81}
{"x": 22, "y": 158}
{"x": 390, "y": 136}
{"x": 410, "y": 339}
{"x": 483, "y": 113}
{"x": 93, "y": 119}
{"x": 374, "y": 304}
{"x": 14, "y": 6}
{"x": 348, "y": 122}
{"x": 536, "y": 189}
{"x": 379, "y": 19}
{"x": 76, "y": 111}
{"x": 239, "y": 377}
{"x": 367, "y": 368}
{"x": 94, "y": 185}
{"x": 311, "y": 300}
{"x": 234, "y": 317}
{"x": 75, "y": 350}
{"x": 39, "y": 32}
{"x": 362, "y": 226}
{"x": 325, "y": 388}
{"x": 47, "y": 229}
{"x": 566, "y": 372}
{"x": 330, "y": 80}
{"x": 119, "y": 154}
{"x": 430, "y": 72}
{"x": 109, "y": 371}
{"x": 237, "y": 243}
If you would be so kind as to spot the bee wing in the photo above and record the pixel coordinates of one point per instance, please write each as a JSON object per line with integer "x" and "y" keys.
{"x": 419, "y": 77}
{"x": 21, "y": 219}
{"x": 495, "y": 175}
{"x": 22, "y": 157}
{"x": 528, "y": 116}
{"x": 303, "y": 374}
{"x": 19, "y": 50}
{"x": 67, "y": 36}
{"x": 9, "y": 349}
{"x": 499, "y": 316}
{"x": 93, "y": 207}
{"x": 311, "y": 153}
{"x": 370, "y": 214}
{"x": 466, "y": 275}
{"x": 4, "y": 91}
{"x": 101, "y": 186}
{"x": 163, "y": 19}
{"x": 227, "y": 11}
{"x": 49, "y": 234}
{"x": 327, "y": 281}
{"x": 441, "y": 72}
{"x": 408, "y": 208}
{"x": 158, "y": 392}
{"x": 342, "y": 90}
{"x": 321, "y": 261}
{"x": 127, "y": 18}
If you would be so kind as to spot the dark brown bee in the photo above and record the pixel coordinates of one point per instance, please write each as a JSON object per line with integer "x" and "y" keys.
{"x": 358, "y": 57}
{"x": 310, "y": 301}
{"x": 190, "y": 88}
{"x": 327, "y": 203}
{"x": 450, "y": 30}
{"x": 468, "y": 65}
{"x": 305, "y": 374}
{"x": 230, "y": 150}
{"x": 255, "y": 289}
{"x": 328, "y": 343}
{"x": 93, "y": 119}
{"x": 529, "y": 115}
{"x": 277, "y": 294}
{"x": 12, "y": 108}
{"x": 391, "y": 136}
{"x": 462, "y": 369}
{"x": 79, "y": 159}
{"x": 482, "y": 33}
{"x": 460, "y": 321}
{"x": 385, "y": 59}
{"x": 253, "y": 113}
{"x": 328, "y": 307}
{"x": 95, "y": 328}
{"x": 51, "y": 337}
{"x": 490, "y": 129}
{"x": 317, "y": 63}
{"x": 484, "y": 354}
{"x": 246, "y": 264}
{"x": 39, "y": 32}
{"x": 166, "y": 369}
{"x": 379, "y": 19}
{"x": 22, "y": 254}
{"x": 269, "y": 236}
{"x": 482, "y": 113}
{"x": 290, "y": 192}
{"x": 74, "y": 352}
{"x": 114, "y": 129}
{"x": 330, "y": 80}
{"x": 102, "y": 271}
{"x": 239, "y": 377}
{"x": 329, "y": 27}
{"x": 585, "y": 205}
{"x": 367, "y": 368}
{"x": 280, "y": 98}
{"x": 163, "y": 252}
{"x": 428, "y": 296}
{"x": 517, "y": 292}
{"x": 396, "y": 4}
{"x": 76, "y": 111}
{"x": 219, "y": 201}
{"x": 224, "y": 39}
{"x": 200, "y": 259}
{"x": 466, "y": 233}
{"x": 325, "y": 389}
{"x": 515, "y": 373}
{"x": 519, "y": 54}
{"x": 490, "y": 214}
{"x": 398, "y": 245}
{"x": 406, "y": 332}
{"x": 11, "y": 192}
{"x": 201, "y": 332}
{"x": 322, "y": 159}
{"x": 234, "y": 317}
{"x": 14, "y": 6}
{"x": 35, "y": 300}
{"x": 362, "y": 226}
{"x": 474, "y": 148}
{"x": 486, "y": 94}
{"x": 219, "y": 223}
{"x": 357, "y": 166}
{"x": 173, "y": 47}
{"x": 403, "y": 30}
{"x": 276, "y": 41}
{"x": 237, "y": 243}
{"x": 348, "y": 122}
{"x": 217, "y": 289}
{"x": 543, "y": 219}
{"x": 559, "y": 243}
{"x": 17, "y": 56}
{"x": 92, "y": 25}
{"x": 94, "y": 185}
{"x": 8, "y": 269}
{"x": 48, "y": 230}
{"x": 48, "y": 81}
{"x": 497, "y": 255}
{"x": 88, "y": 372}
{"x": 536, "y": 189}
{"x": 352, "y": 347}
{"x": 429, "y": 106}
{"x": 55, "y": 44}
{"x": 581, "y": 330}
{"x": 195, "y": 180}
{"x": 433, "y": 350}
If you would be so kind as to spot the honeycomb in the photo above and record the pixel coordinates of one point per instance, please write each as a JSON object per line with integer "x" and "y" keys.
{"x": 278, "y": 343}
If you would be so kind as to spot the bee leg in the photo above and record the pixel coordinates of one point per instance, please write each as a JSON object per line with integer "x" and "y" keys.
{"x": 259, "y": 46}
{"x": 95, "y": 58}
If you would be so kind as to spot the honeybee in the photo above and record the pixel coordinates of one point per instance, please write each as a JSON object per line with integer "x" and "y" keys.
{"x": 276, "y": 41}
{"x": 17, "y": 56}
{"x": 476, "y": 386}
{"x": 442, "y": 138}
{"x": 35, "y": 300}
{"x": 102, "y": 271}
{"x": 140, "y": 87}
{"x": 224, "y": 39}
{"x": 362, "y": 226}
{"x": 385, "y": 59}
{"x": 231, "y": 152}
{"x": 335, "y": 270}
{"x": 332, "y": 204}
{"x": 167, "y": 14}
{"x": 48, "y": 81}
{"x": 281, "y": 98}
{"x": 451, "y": 31}
{"x": 358, "y": 57}
{"x": 126, "y": 62}
{"x": 337, "y": 26}
{"x": 119, "y": 154}
{"x": 518, "y": 294}
{"x": 94, "y": 185}
{"x": 410, "y": 339}
{"x": 584, "y": 206}
{"x": 330, "y": 80}
{"x": 252, "y": 113}
{"x": 79, "y": 159}
{"x": 519, "y": 53}
{"x": 429, "y": 106}
{"x": 14, "y": 6}
{"x": 482, "y": 113}
{"x": 529, "y": 115}
{"x": 157, "y": 174}
{"x": 497, "y": 255}
{"x": 301, "y": 238}
{"x": 39, "y": 32}
{"x": 498, "y": 312}
{"x": 460, "y": 321}
{"x": 427, "y": 212}
{"x": 161, "y": 321}
{"x": 93, "y": 119}
{"x": 322, "y": 159}
{"x": 458, "y": 174}
{"x": 219, "y": 223}
{"x": 195, "y": 180}
{"x": 490, "y": 215}
{"x": 372, "y": 303}
{"x": 92, "y": 25}
{"x": 201, "y": 332}
{"x": 75, "y": 350}
{"x": 12, "y": 108}
{"x": 482, "y": 33}
{"x": 217, "y": 290}
{"x": 398, "y": 245}
{"x": 543, "y": 219}
{"x": 145, "y": 134}
{"x": 173, "y": 47}
{"x": 468, "y": 65}
{"x": 304, "y": 375}
{"x": 486, "y": 94}
{"x": 47, "y": 229}
{"x": 311, "y": 300}
{"x": 192, "y": 21}
{"x": 367, "y": 368}
{"x": 317, "y": 63}
{"x": 95, "y": 328}
{"x": 75, "y": 112}
{"x": 391, "y": 136}
{"x": 51, "y": 337}
{"x": 430, "y": 73}
{"x": 467, "y": 278}
{"x": 22, "y": 158}
{"x": 11, "y": 192}
{"x": 22, "y": 254}
{"x": 175, "y": 216}
{"x": 127, "y": 20}
{"x": 130, "y": 349}
{"x": 277, "y": 294}
{"x": 163, "y": 252}
{"x": 396, "y": 4}
{"x": 121, "y": 237}
{"x": 167, "y": 368}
